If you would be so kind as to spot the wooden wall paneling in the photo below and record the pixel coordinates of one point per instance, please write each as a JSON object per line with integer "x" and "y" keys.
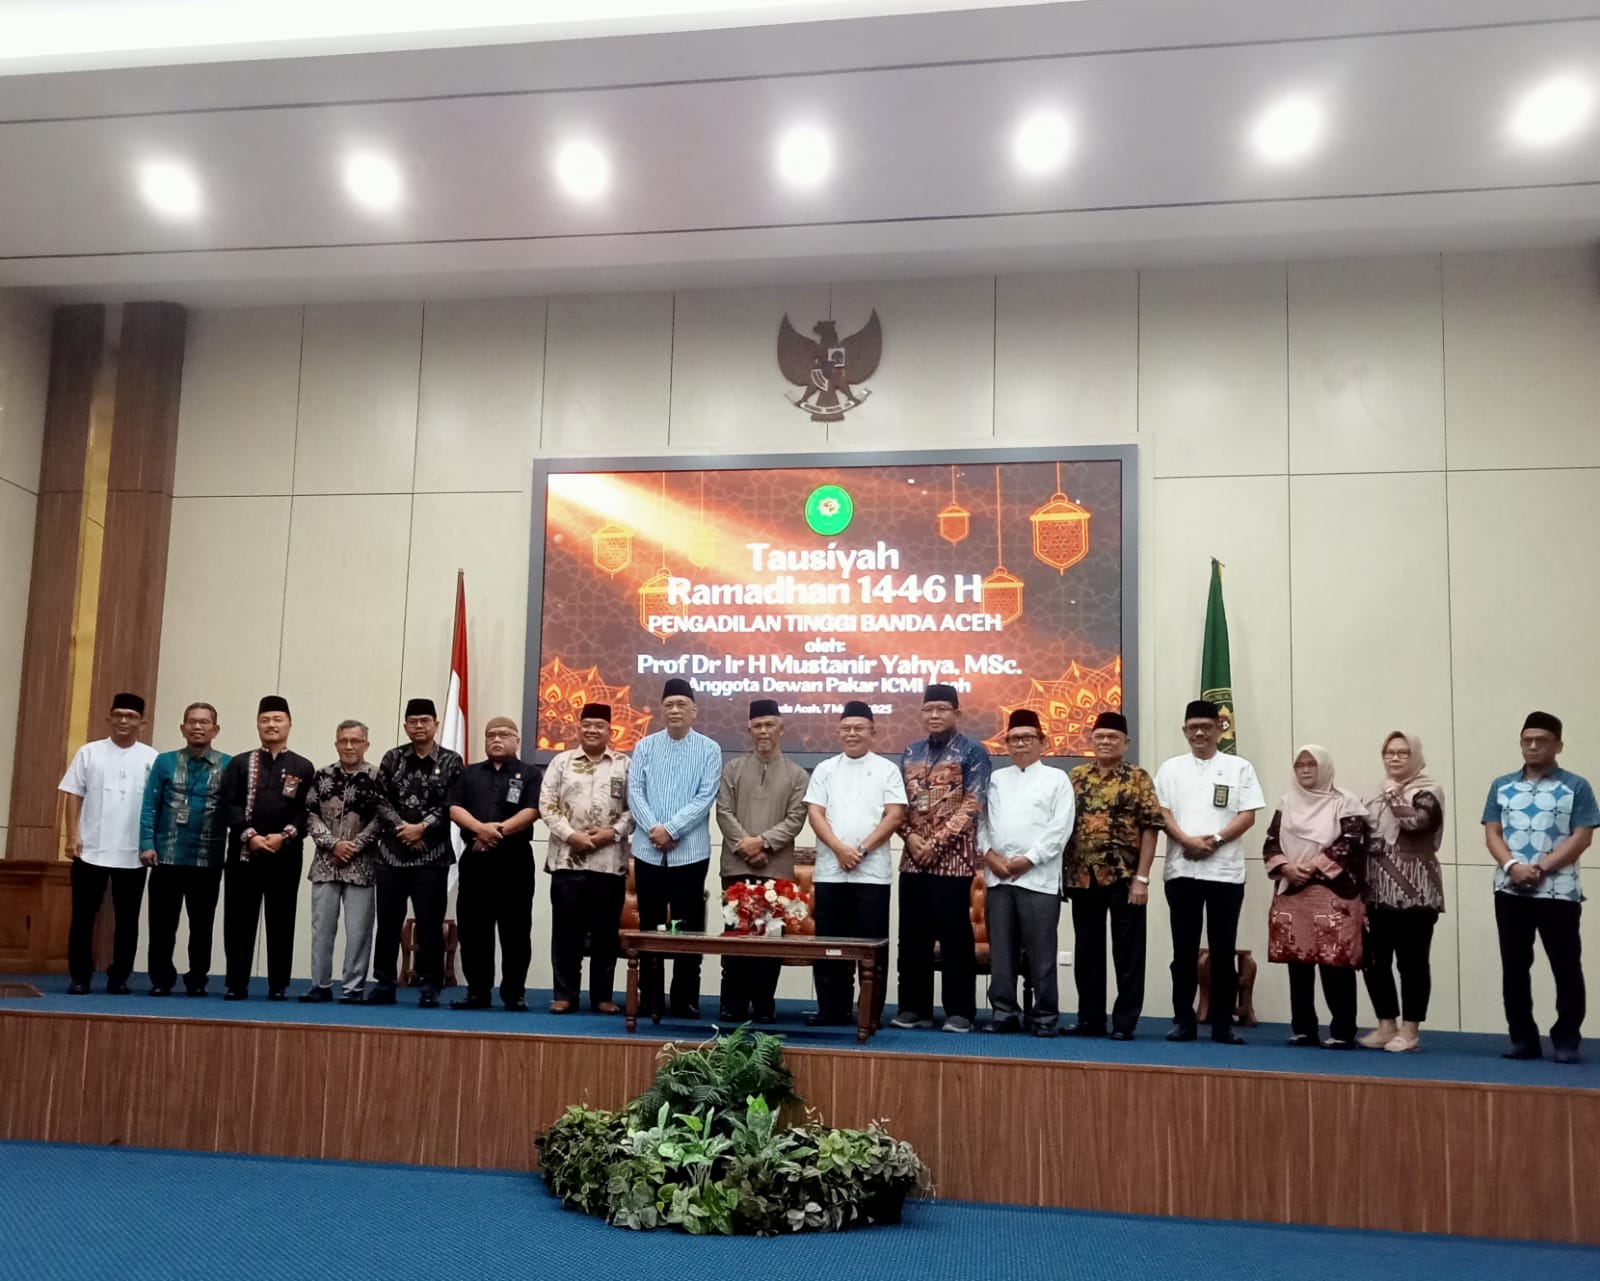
{"x": 144, "y": 439}
{"x": 1403, "y": 1140}
{"x": 290, "y": 1100}
{"x": 511, "y": 1101}
{"x": 384, "y": 1109}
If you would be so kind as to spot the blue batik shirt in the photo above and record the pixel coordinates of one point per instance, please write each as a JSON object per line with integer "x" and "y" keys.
{"x": 1536, "y": 815}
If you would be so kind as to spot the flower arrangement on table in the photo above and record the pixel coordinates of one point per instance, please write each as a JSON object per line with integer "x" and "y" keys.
{"x": 762, "y": 907}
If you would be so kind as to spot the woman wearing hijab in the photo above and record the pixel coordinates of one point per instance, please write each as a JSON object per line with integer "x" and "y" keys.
{"x": 1314, "y": 850}
{"x": 1403, "y": 891}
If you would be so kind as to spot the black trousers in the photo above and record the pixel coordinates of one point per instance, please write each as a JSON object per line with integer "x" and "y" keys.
{"x": 1091, "y": 905}
{"x": 1555, "y": 921}
{"x": 845, "y": 910}
{"x": 748, "y": 985}
{"x": 937, "y": 909}
{"x": 1218, "y": 903}
{"x": 89, "y": 881}
{"x": 671, "y": 894}
{"x": 583, "y": 905}
{"x": 495, "y": 894}
{"x": 1338, "y": 985}
{"x": 428, "y": 889}
{"x": 1024, "y": 927}
{"x": 172, "y": 891}
{"x": 1400, "y": 938}
{"x": 270, "y": 882}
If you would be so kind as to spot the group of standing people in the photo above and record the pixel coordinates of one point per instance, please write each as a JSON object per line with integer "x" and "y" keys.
{"x": 1357, "y": 884}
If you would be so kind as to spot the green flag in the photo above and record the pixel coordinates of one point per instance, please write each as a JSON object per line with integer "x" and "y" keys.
{"x": 1216, "y": 670}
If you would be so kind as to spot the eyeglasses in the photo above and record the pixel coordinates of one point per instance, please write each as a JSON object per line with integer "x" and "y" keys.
{"x": 677, "y": 705}
{"x": 1396, "y": 753}
{"x": 1021, "y": 740}
{"x": 500, "y": 733}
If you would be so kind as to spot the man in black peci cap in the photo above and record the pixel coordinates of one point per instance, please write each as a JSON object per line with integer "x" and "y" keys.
{"x": 264, "y": 797}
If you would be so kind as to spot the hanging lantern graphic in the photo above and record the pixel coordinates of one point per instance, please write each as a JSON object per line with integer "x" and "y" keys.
{"x": 613, "y": 548}
{"x": 1060, "y": 530}
{"x": 1002, "y": 590}
{"x": 955, "y": 521}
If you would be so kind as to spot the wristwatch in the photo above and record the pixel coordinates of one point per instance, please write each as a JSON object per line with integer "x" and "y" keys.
{"x": 1143, "y": 880}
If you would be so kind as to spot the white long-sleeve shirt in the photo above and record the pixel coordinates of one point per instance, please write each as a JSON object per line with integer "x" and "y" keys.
{"x": 1030, "y": 813}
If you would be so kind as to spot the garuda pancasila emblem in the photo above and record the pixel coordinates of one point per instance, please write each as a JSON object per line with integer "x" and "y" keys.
{"x": 830, "y": 370}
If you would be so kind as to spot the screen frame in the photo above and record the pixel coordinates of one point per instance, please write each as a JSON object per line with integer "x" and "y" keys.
{"x": 1127, "y": 455}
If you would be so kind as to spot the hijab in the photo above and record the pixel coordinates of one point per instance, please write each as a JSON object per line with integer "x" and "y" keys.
{"x": 1310, "y": 817}
{"x": 1408, "y": 786}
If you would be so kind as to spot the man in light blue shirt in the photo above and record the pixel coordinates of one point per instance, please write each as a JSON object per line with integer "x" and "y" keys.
{"x": 1537, "y": 823}
{"x": 672, "y": 785}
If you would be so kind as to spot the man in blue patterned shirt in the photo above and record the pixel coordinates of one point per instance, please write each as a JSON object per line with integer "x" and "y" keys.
{"x": 1537, "y": 824}
{"x": 183, "y": 838}
{"x": 672, "y": 785}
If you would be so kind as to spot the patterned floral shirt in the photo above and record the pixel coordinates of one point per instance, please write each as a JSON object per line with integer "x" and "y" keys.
{"x": 580, "y": 793}
{"x": 1114, "y": 812}
{"x": 342, "y": 805}
{"x": 416, "y": 789}
{"x": 946, "y": 786}
{"x": 1535, "y": 816}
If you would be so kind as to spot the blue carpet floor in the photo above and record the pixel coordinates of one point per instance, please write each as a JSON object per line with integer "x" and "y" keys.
{"x": 138, "y": 1215}
{"x": 1448, "y": 1056}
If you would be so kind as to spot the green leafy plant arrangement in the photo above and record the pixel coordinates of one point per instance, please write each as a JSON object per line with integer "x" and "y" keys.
{"x": 702, "y": 1150}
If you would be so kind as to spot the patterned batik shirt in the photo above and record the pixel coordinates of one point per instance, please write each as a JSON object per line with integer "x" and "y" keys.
{"x": 946, "y": 786}
{"x": 342, "y": 805}
{"x": 1536, "y": 815}
{"x": 182, "y": 819}
{"x": 578, "y": 794}
{"x": 416, "y": 789}
{"x": 1114, "y": 813}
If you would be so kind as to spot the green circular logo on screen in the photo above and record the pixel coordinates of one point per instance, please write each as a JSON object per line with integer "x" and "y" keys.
{"x": 829, "y": 510}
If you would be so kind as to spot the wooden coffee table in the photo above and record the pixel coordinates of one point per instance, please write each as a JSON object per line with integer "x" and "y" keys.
{"x": 871, "y": 957}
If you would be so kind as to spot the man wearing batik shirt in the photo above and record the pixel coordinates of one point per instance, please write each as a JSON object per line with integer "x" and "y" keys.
{"x": 342, "y": 818}
{"x": 183, "y": 840}
{"x": 584, "y": 803}
{"x": 414, "y": 854}
{"x": 947, "y": 779}
{"x": 264, "y": 795}
{"x": 1537, "y": 824}
{"x": 1107, "y": 873}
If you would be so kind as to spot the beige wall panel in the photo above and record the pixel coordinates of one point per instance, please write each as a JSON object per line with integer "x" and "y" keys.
{"x": 936, "y": 383}
{"x": 1525, "y": 607}
{"x": 487, "y": 536}
{"x": 358, "y": 399}
{"x": 241, "y": 391}
{"x": 1368, "y": 555}
{"x": 1366, "y": 355}
{"x": 1245, "y": 524}
{"x": 1212, "y": 370}
{"x": 727, "y": 391}
{"x": 482, "y": 381}
{"x": 344, "y": 616}
{"x": 1521, "y": 376}
{"x": 608, "y": 375}
{"x": 16, "y": 568}
{"x": 1067, "y": 358}
{"x": 223, "y": 616}
{"x": 24, "y": 381}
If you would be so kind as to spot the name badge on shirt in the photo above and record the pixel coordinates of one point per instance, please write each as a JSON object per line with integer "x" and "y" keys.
{"x": 618, "y": 789}
{"x": 922, "y": 803}
{"x": 513, "y": 791}
{"x": 291, "y": 785}
{"x": 1219, "y": 795}
{"x": 180, "y": 813}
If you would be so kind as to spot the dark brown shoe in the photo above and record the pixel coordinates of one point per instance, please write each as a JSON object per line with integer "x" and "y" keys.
{"x": 608, "y": 1007}
{"x": 561, "y": 1007}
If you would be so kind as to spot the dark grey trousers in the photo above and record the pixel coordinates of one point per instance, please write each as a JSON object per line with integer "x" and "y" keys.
{"x": 1023, "y": 930}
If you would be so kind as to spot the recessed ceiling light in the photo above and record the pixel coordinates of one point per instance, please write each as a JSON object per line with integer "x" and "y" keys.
{"x": 583, "y": 170}
{"x": 373, "y": 181}
{"x": 170, "y": 188}
{"x": 805, "y": 156}
{"x": 1287, "y": 130}
{"x": 1552, "y": 112}
{"x": 1041, "y": 143}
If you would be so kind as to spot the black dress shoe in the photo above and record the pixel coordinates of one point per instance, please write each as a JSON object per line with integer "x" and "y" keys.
{"x": 1227, "y": 1036}
{"x": 1047, "y": 1033}
{"x": 195, "y": 991}
{"x": 117, "y": 989}
{"x": 818, "y": 1019}
{"x": 686, "y": 1012}
{"x": 1523, "y": 1052}
{"x": 352, "y": 998}
{"x": 1181, "y": 1033}
{"x": 161, "y": 991}
{"x": 428, "y": 1001}
{"x": 517, "y": 1005}
{"x": 278, "y": 994}
{"x": 379, "y": 996}
{"x": 1122, "y": 1036}
{"x": 1566, "y": 1054}
{"x": 764, "y": 1016}
{"x": 1084, "y": 1029}
{"x": 316, "y": 996}
{"x": 467, "y": 1003}
{"x": 727, "y": 1014}
{"x": 235, "y": 994}
{"x": 78, "y": 989}
{"x": 1302, "y": 1041}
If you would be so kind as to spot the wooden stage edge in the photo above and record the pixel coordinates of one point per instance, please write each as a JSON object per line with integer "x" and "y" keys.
{"x": 1358, "y": 1152}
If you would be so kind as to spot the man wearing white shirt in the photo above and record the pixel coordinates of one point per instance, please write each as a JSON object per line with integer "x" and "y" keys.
{"x": 1022, "y": 833}
{"x": 1208, "y": 800}
{"x": 101, "y": 797}
{"x": 855, "y": 801}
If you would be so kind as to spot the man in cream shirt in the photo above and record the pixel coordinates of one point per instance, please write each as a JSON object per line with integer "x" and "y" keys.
{"x": 1022, "y": 832}
{"x": 1209, "y": 800}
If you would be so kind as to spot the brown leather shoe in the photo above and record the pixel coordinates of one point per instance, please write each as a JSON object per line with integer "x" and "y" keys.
{"x": 561, "y": 1007}
{"x": 608, "y": 1007}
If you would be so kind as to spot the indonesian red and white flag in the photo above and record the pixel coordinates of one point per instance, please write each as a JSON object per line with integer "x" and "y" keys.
{"x": 454, "y": 732}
